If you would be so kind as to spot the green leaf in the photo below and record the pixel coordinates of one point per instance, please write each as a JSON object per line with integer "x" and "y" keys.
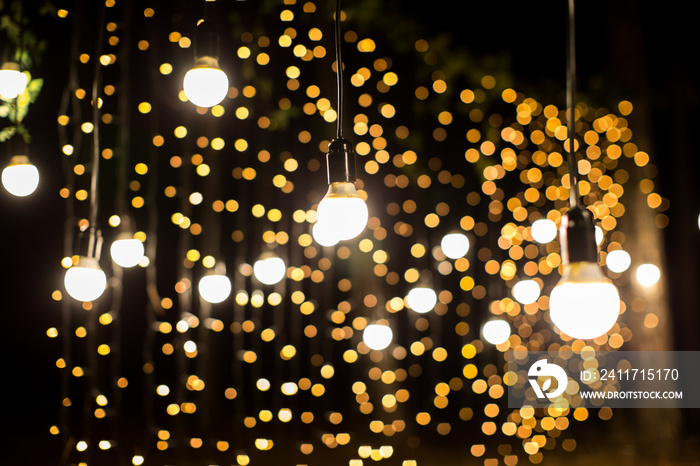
{"x": 7, "y": 133}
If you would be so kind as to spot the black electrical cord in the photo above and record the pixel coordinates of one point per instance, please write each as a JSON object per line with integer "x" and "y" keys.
{"x": 94, "y": 178}
{"x": 339, "y": 74}
{"x": 574, "y": 201}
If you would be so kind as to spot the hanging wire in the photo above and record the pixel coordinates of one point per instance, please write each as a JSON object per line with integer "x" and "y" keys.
{"x": 571, "y": 107}
{"x": 339, "y": 74}
{"x": 94, "y": 178}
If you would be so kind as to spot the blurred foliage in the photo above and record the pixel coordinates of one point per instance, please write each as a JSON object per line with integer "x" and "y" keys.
{"x": 25, "y": 48}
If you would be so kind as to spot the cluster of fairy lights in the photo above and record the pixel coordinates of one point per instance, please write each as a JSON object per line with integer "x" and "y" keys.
{"x": 300, "y": 334}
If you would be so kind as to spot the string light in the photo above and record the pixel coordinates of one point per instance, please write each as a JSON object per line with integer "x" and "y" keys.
{"x": 206, "y": 84}
{"x": 12, "y": 81}
{"x": 421, "y": 299}
{"x": 377, "y": 336}
{"x": 269, "y": 269}
{"x": 126, "y": 251}
{"x": 454, "y": 245}
{"x": 496, "y": 331}
{"x": 20, "y": 178}
{"x": 342, "y": 210}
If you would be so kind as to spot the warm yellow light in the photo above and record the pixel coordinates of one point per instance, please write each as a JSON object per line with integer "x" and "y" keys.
{"x": 377, "y": 336}
{"x": 454, "y": 245}
{"x": 343, "y": 210}
{"x": 12, "y": 81}
{"x": 526, "y": 291}
{"x": 214, "y": 288}
{"x": 269, "y": 269}
{"x": 206, "y": 84}
{"x": 543, "y": 230}
{"x": 20, "y": 178}
{"x": 126, "y": 251}
{"x": 85, "y": 281}
{"x": 584, "y": 304}
{"x": 496, "y": 331}
{"x": 421, "y": 299}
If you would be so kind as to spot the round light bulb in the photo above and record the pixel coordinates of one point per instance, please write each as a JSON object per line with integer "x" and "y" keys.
{"x": 543, "y": 230}
{"x": 496, "y": 331}
{"x": 270, "y": 270}
{"x": 454, "y": 245}
{"x": 324, "y": 235}
{"x": 85, "y": 281}
{"x": 377, "y": 336}
{"x": 214, "y": 288}
{"x": 584, "y": 304}
{"x": 343, "y": 210}
{"x": 421, "y": 299}
{"x": 12, "y": 81}
{"x": 618, "y": 261}
{"x": 648, "y": 275}
{"x": 206, "y": 84}
{"x": 526, "y": 291}
{"x": 126, "y": 251}
{"x": 20, "y": 178}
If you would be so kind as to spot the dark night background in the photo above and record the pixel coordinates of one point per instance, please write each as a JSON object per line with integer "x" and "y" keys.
{"x": 645, "y": 52}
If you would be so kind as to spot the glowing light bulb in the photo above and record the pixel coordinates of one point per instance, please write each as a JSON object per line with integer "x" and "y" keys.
{"x": 584, "y": 304}
{"x": 343, "y": 210}
{"x": 206, "y": 84}
{"x": 12, "y": 81}
{"x": 421, "y": 299}
{"x": 85, "y": 281}
{"x": 214, "y": 288}
{"x": 454, "y": 245}
{"x": 526, "y": 291}
{"x": 270, "y": 270}
{"x": 496, "y": 331}
{"x": 377, "y": 336}
{"x": 324, "y": 235}
{"x": 648, "y": 275}
{"x": 618, "y": 261}
{"x": 126, "y": 251}
{"x": 599, "y": 235}
{"x": 543, "y": 230}
{"x": 20, "y": 178}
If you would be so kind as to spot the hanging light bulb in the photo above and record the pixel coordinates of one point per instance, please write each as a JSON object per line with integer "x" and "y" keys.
{"x": 206, "y": 84}
{"x": 269, "y": 269}
{"x": 583, "y": 304}
{"x": 12, "y": 81}
{"x": 343, "y": 211}
{"x": 126, "y": 251}
{"x": 543, "y": 230}
{"x": 496, "y": 331}
{"x": 421, "y": 299}
{"x": 85, "y": 281}
{"x": 377, "y": 336}
{"x": 323, "y": 234}
{"x": 214, "y": 288}
{"x": 618, "y": 261}
{"x": 526, "y": 291}
{"x": 648, "y": 275}
{"x": 454, "y": 245}
{"x": 20, "y": 178}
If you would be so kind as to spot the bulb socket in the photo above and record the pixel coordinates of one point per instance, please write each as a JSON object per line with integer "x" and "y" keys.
{"x": 206, "y": 41}
{"x": 340, "y": 161}
{"x": 577, "y": 237}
